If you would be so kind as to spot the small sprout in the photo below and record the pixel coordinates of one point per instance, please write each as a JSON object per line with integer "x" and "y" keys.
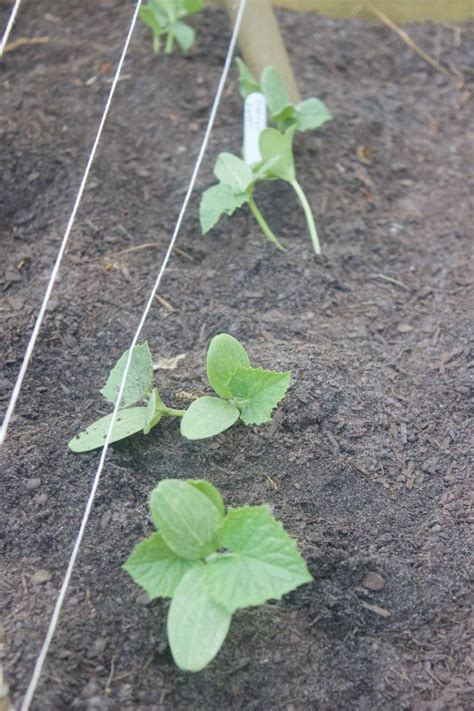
{"x": 163, "y": 17}
{"x": 237, "y": 182}
{"x": 211, "y": 563}
{"x": 243, "y": 392}
{"x": 306, "y": 115}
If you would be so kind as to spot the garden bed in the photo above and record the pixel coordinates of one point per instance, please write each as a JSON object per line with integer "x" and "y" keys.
{"x": 366, "y": 460}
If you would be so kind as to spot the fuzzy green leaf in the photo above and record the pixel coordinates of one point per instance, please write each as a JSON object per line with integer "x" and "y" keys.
{"x": 274, "y": 144}
{"x": 224, "y": 355}
{"x": 154, "y": 566}
{"x": 234, "y": 172}
{"x": 261, "y": 390}
{"x": 186, "y": 518}
{"x": 139, "y": 377}
{"x": 247, "y": 82}
{"x": 197, "y": 625}
{"x": 275, "y": 93}
{"x": 310, "y": 114}
{"x": 206, "y": 488}
{"x": 216, "y": 201}
{"x": 184, "y": 34}
{"x": 266, "y": 563}
{"x": 208, "y": 416}
{"x": 128, "y": 422}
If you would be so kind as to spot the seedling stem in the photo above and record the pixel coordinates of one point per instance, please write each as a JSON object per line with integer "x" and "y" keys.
{"x": 264, "y": 225}
{"x": 308, "y": 214}
{"x": 172, "y": 412}
{"x": 169, "y": 43}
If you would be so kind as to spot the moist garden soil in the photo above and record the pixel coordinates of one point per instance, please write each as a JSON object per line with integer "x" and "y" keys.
{"x": 366, "y": 460}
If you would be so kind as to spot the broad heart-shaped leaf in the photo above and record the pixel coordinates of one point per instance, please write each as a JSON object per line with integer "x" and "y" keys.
{"x": 216, "y": 201}
{"x": 224, "y": 355}
{"x": 184, "y": 34}
{"x": 274, "y": 144}
{"x": 311, "y": 113}
{"x": 247, "y": 82}
{"x": 186, "y": 518}
{"x": 128, "y": 422}
{"x": 197, "y": 625}
{"x": 265, "y": 563}
{"x": 156, "y": 568}
{"x": 274, "y": 91}
{"x": 207, "y": 416}
{"x": 234, "y": 172}
{"x": 206, "y": 488}
{"x": 261, "y": 390}
{"x": 139, "y": 377}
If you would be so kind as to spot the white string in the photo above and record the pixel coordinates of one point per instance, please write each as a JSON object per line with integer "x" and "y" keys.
{"x": 9, "y": 27}
{"x": 54, "y": 273}
{"x": 62, "y": 593}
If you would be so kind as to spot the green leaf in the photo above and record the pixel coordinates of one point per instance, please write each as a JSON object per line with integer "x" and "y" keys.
{"x": 190, "y": 7}
{"x": 310, "y": 114}
{"x": 197, "y": 625}
{"x": 274, "y": 144}
{"x": 184, "y": 34}
{"x": 262, "y": 170}
{"x": 210, "y": 491}
{"x": 261, "y": 390}
{"x": 154, "y": 411}
{"x": 275, "y": 93}
{"x": 186, "y": 518}
{"x": 156, "y": 568}
{"x": 247, "y": 82}
{"x": 128, "y": 422}
{"x": 208, "y": 416}
{"x": 169, "y": 7}
{"x": 266, "y": 563}
{"x": 285, "y": 119}
{"x": 139, "y": 377}
{"x": 224, "y": 355}
{"x": 218, "y": 200}
{"x": 149, "y": 17}
{"x": 234, "y": 172}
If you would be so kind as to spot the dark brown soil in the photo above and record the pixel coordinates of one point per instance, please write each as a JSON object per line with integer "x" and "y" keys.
{"x": 366, "y": 461}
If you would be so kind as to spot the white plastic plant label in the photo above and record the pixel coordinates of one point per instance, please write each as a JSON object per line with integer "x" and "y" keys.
{"x": 255, "y": 120}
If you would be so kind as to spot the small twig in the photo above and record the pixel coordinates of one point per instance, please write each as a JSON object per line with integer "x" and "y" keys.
{"x": 165, "y": 303}
{"x": 22, "y": 41}
{"x": 405, "y": 37}
{"x": 111, "y": 676}
{"x": 146, "y": 245}
{"x": 391, "y": 281}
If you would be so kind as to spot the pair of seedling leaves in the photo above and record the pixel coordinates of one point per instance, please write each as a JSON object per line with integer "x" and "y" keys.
{"x": 211, "y": 563}
{"x": 243, "y": 392}
{"x": 164, "y": 17}
{"x": 237, "y": 180}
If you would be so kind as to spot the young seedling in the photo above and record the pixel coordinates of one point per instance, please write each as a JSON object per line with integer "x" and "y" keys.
{"x": 305, "y": 116}
{"x": 211, "y": 563}
{"x": 245, "y": 393}
{"x": 164, "y": 19}
{"x": 237, "y": 182}
{"x": 130, "y": 420}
